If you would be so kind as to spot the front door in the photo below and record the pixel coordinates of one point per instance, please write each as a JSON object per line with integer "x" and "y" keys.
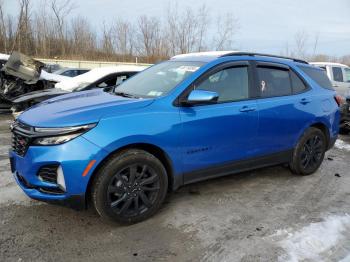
{"x": 220, "y": 133}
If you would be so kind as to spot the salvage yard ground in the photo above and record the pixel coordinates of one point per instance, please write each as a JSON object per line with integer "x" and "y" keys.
{"x": 264, "y": 215}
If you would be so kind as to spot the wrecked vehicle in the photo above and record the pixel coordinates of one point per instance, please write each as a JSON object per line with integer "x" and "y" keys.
{"x": 22, "y": 74}
{"x": 104, "y": 77}
{"x": 339, "y": 74}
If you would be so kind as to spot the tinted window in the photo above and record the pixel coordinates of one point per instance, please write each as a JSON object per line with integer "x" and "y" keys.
{"x": 108, "y": 82}
{"x": 68, "y": 73}
{"x": 79, "y": 72}
{"x": 347, "y": 74}
{"x": 337, "y": 74}
{"x": 318, "y": 75}
{"x": 231, "y": 84}
{"x": 274, "y": 82}
{"x": 297, "y": 84}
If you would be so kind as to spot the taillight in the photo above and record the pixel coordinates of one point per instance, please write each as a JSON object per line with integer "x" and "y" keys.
{"x": 339, "y": 100}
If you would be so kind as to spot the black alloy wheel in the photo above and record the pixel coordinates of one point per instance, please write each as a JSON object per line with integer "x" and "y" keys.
{"x": 133, "y": 190}
{"x": 312, "y": 152}
{"x": 309, "y": 152}
{"x": 130, "y": 187}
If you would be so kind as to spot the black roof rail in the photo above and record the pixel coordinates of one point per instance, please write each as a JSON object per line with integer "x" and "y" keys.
{"x": 258, "y": 54}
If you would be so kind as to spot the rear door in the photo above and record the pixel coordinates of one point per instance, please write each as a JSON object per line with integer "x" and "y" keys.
{"x": 284, "y": 106}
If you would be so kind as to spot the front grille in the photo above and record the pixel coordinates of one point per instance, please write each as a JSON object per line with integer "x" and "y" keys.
{"x": 48, "y": 173}
{"x": 20, "y": 143}
{"x": 21, "y": 137}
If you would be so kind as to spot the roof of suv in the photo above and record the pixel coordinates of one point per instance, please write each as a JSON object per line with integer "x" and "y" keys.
{"x": 209, "y": 56}
{"x": 328, "y": 63}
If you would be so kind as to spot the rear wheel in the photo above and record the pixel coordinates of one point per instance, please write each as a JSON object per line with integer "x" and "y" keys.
{"x": 130, "y": 187}
{"x": 309, "y": 152}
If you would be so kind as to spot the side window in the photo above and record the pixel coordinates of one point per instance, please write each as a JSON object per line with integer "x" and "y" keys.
{"x": 318, "y": 75}
{"x": 121, "y": 79}
{"x": 298, "y": 85}
{"x": 231, "y": 84}
{"x": 107, "y": 82}
{"x": 67, "y": 73}
{"x": 347, "y": 74}
{"x": 274, "y": 82}
{"x": 337, "y": 74}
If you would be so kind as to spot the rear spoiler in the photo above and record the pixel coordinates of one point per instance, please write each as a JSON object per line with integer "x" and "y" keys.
{"x": 23, "y": 67}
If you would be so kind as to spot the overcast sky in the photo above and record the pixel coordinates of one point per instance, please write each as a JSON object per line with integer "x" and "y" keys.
{"x": 265, "y": 25}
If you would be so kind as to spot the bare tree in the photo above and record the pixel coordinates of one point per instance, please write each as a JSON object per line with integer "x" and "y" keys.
{"x": 3, "y": 30}
{"x": 227, "y": 27}
{"x": 107, "y": 41}
{"x": 186, "y": 31}
{"x": 61, "y": 9}
{"x": 23, "y": 40}
{"x": 150, "y": 36}
{"x": 203, "y": 24}
{"x": 124, "y": 35}
{"x": 301, "y": 39}
{"x": 316, "y": 39}
{"x": 83, "y": 39}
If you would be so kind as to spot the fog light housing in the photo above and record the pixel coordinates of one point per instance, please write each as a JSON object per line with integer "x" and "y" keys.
{"x": 60, "y": 179}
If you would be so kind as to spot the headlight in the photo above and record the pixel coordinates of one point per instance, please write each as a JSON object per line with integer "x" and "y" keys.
{"x": 57, "y": 135}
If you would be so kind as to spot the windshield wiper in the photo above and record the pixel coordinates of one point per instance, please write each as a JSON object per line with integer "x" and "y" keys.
{"x": 125, "y": 95}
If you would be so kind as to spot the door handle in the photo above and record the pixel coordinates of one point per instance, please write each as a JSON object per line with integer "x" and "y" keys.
{"x": 247, "y": 109}
{"x": 305, "y": 101}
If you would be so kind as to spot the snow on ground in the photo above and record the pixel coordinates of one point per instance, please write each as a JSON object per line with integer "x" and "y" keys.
{"x": 4, "y": 150}
{"x": 340, "y": 144}
{"x": 346, "y": 259}
{"x": 316, "y": 241}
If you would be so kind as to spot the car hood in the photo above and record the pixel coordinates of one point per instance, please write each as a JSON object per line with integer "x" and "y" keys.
{"x": 79, "y": 108}
{"x": 39, "y": 94}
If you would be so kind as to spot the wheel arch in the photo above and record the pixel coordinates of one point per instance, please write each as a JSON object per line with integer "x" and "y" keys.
{"x": 150, "y": 148}
{"x": 321, "y": 126}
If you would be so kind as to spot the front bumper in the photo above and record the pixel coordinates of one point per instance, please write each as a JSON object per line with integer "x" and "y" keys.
{"x": 73, "y": 156}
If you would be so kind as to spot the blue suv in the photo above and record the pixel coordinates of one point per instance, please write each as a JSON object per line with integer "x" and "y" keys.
{"x": 194, "y": 117}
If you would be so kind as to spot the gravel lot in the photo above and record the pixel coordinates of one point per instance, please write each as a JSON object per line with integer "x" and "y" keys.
{"x": 264, "y": 215}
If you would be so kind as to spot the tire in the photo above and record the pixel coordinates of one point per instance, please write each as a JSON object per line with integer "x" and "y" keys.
{"x": 309, "y": 152}
{"x": 130, "y": 187}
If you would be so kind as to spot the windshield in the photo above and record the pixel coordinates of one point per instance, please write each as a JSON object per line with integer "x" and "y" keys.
{"x": 159, "y": 79}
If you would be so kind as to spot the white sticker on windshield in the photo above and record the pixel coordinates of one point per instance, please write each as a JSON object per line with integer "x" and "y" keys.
{"x": 154, "y": 93}
{"x": 189, "y": 68}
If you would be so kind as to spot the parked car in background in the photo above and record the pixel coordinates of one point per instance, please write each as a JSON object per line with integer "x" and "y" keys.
{"x": 194, "y": 117}
{"x": 339, "y": 75}
{"x": 51, "y": 67}
{"x": 103, "y": 77}
{"x": 71, "y": 72}
{"x": 22, "y": 74}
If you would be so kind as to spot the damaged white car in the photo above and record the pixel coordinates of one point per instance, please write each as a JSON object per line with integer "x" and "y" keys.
{"x": 21, "y": 74}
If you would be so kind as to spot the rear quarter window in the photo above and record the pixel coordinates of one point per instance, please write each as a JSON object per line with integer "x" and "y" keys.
{"x": 318, "y": 75}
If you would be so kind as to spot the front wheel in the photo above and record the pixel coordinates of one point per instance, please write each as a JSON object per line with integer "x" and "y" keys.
{"x": 309, "y": 152}
{"x": 130, "y": 187}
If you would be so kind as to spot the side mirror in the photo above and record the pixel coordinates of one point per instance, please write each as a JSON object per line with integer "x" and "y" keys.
{"x": 201, "y": 97}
